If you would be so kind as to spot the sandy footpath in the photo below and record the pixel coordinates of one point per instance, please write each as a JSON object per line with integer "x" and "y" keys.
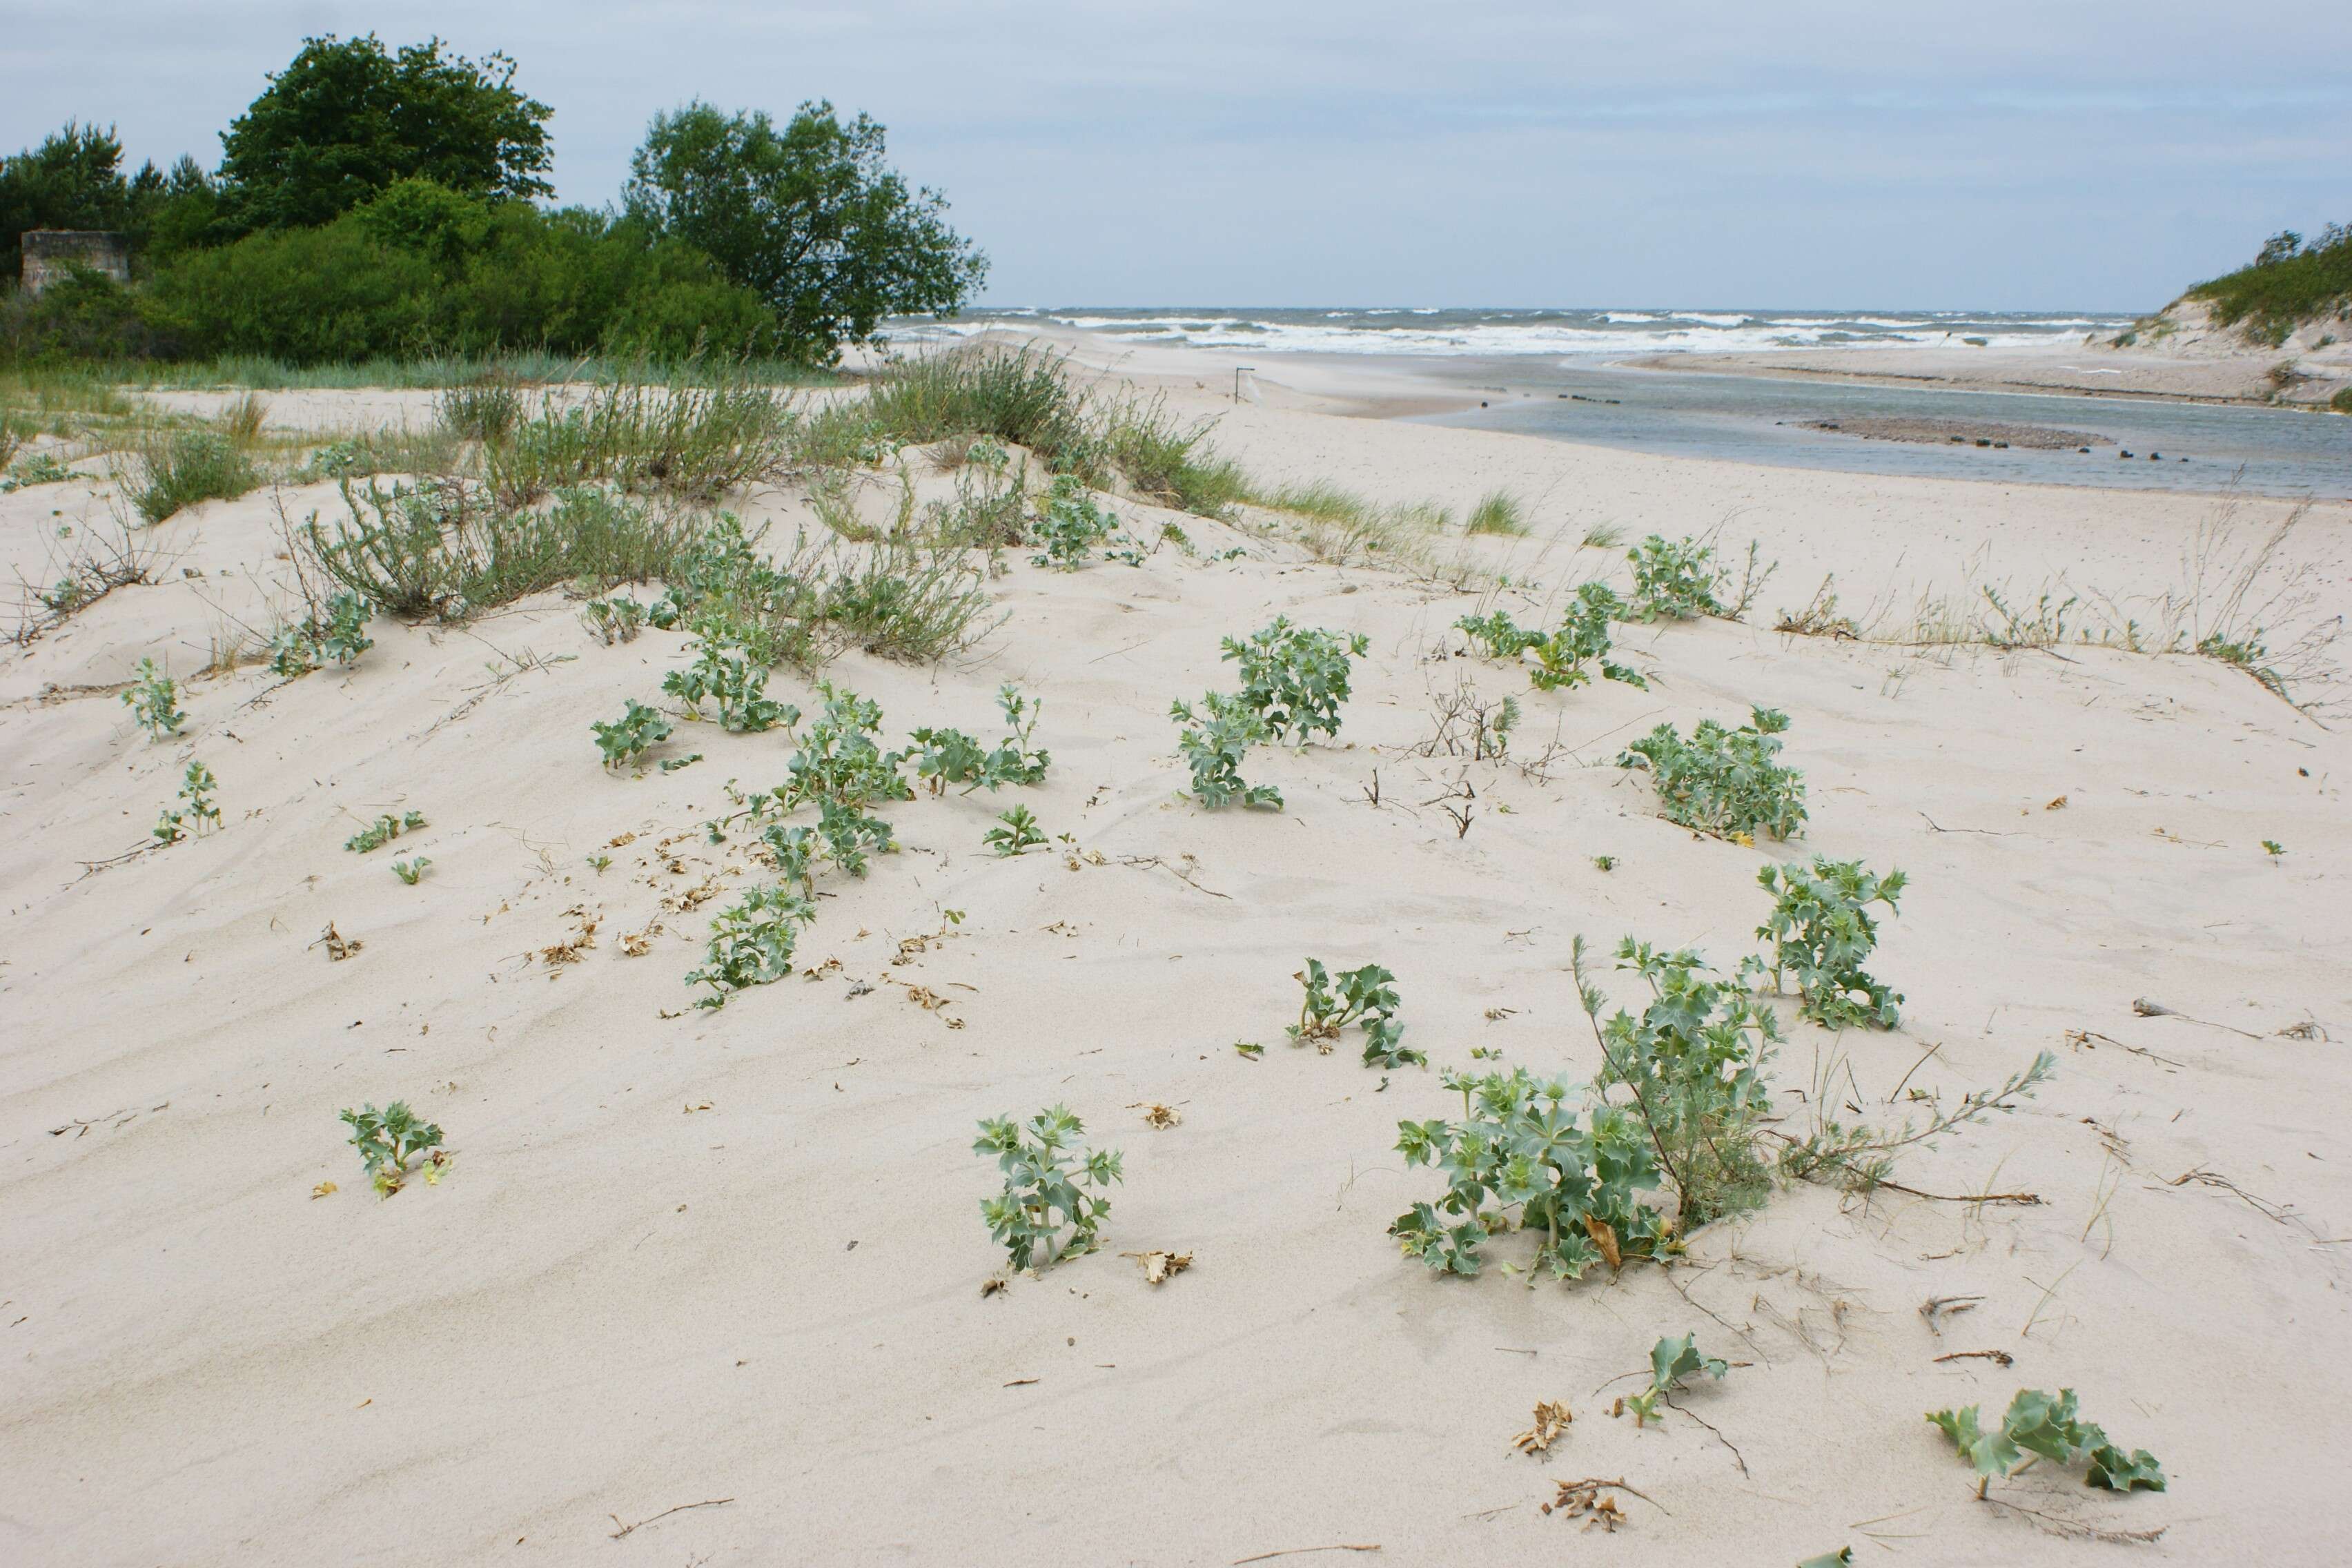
{"x": 736, "y": 1258}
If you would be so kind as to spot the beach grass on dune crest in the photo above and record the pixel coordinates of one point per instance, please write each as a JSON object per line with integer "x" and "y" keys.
{"x": 1498, "y": 513}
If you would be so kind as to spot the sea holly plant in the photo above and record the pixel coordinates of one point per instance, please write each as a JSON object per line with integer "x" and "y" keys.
{"x": 1822, "y": 932}
{"x": 945, "y": 757}
{"x": 1518, "y": 1158}
{"x": 636, "y": 732}
{"x": 197, "y": 813}
{"x": 1671, "y": 1361}
{"x": 1365, "y": 996}
{"x": 1562, "y": 654}
{"x": 1295, "y": 679}
{"x": 1053, "y": 1204}
{"x": 1694, "y": 1062}
{"x": 390, "y": 1140}
{"x": 411, "y": 871}
{"x": 1069, "y": 526}
{"x": 724, "y": 673}
{"x": 2047, "y": 1426}
{"x": 1677, "y": 579}
{"x": 153, "y": 699}
{"x": 614, "y": 620}
{"x": 1214, "y": 742}
{"x": 383, "y": 831}
{"x": 1724, "y": 782}
{"x": 337, "y": 636}
{"x": 751, "y": 942}
{"x": 1020, "y": 831}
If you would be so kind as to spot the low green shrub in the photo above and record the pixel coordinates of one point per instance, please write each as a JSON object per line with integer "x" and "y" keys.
{"x": 1724, "y": 782}
{"x": 446, "y": 548}
{"x": 693, "y": 440}
{"x": 1821, "y": 933}
{"x": 1028, "y": 397}
{"x": 1053, "y": 1204}
{"x": 411, "y": 871}
{"x": 487, "y": 410}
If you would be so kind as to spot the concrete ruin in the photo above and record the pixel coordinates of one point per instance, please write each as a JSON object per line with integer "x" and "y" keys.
{"x": 49, "y": 251}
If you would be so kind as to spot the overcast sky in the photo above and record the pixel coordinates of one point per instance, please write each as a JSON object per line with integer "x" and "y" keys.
{"x": 1998, "y": 155}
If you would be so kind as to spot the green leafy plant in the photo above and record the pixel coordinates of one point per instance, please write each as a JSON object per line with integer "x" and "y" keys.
{"x": 615, "y": 620}
{"x": 1053, "y": 1204}
{"x": 1677, "y": 579}
{"x": 1214, "y": 746}
{"x": 1671, "y": 1361}
{"x": 338, "y": 636}
{"x": 2047, "y": 1426}
{"x": 600, "y": 864}
{"x": 950, "y": 756}
{"x": 1860, "y": 1158}
{"x": 1560, "y": 655}
{"x": 411, "y": 871}
{"x": 1694, "y": 1061}
{"x": 1020, "y": 832}
{"x": 1069, "y": 525}
{"x": 1365, "y": 996}
{"x": 40, "y": 468}
{"x": 383, "y": 831}
{"x": 1822, "y": 932}
{"x": 632, "y": 735}
{"x": 751, "y": 942}
{"x": 153, "y": 699}
{"x": 725, "y": 673}
{"x": 2274, "y": 848}
{"x": 388, "y": 1139}
{"x": 1517, "y": 1148}
{"x": 198, "y": 814}
{"x": 1724, "y": 782}
{"x": 1296, "y": 678}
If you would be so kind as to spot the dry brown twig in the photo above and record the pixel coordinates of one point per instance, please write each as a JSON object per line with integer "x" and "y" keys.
{"x": 626, "y": 1529}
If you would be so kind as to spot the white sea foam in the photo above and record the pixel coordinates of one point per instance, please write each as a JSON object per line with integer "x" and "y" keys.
{"x": 1432, "y": 330}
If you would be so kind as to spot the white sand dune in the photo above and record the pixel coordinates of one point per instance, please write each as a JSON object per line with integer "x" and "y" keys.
{"x": 736, "y": 1257}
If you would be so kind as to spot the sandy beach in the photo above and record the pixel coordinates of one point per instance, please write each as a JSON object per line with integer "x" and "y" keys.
{"x": 713, "y": 1287}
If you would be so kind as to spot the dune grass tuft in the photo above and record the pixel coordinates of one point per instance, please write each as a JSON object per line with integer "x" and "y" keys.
{"x": 1498, "y": 513}
{"x": 187, "y": 466}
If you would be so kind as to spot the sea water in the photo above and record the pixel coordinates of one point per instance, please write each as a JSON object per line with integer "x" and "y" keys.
{"x": 1555, "y": 373}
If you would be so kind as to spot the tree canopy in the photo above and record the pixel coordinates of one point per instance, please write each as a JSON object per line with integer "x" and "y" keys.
{"x": 346, "y": 118}
{"x": 810, "y": 217}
